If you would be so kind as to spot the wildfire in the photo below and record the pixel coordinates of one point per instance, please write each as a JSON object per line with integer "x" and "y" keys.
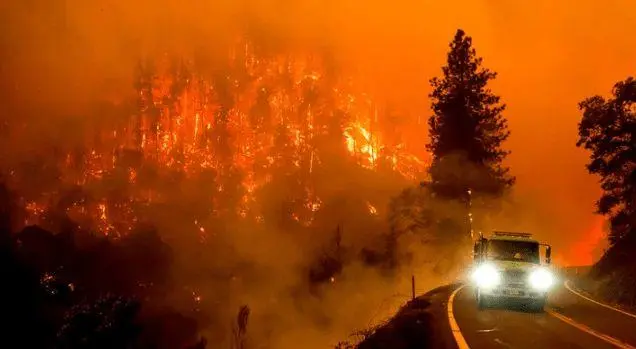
{"x": 261, "y": 115}
{"x": 372, "y": 209}
{"x": 33, "y": 212}
{"x": 361, "y": 144}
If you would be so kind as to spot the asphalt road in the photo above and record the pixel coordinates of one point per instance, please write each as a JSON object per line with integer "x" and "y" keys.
{"x": 570, "y": 321}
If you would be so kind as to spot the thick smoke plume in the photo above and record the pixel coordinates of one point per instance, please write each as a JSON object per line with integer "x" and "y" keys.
{"x": 71, "y": 73}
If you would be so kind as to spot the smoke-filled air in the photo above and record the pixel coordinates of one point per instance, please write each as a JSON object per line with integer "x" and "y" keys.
{"x": 255, "y": 171}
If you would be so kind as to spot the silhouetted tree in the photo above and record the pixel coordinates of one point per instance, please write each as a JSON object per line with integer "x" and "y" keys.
{"x": 467, "y": 127}
{"x": 608, "y": 130}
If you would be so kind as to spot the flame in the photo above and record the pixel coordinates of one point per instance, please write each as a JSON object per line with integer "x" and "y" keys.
{"x": 34, "y": 211}
{"x": 372, "y": 209}
{"x": 191, "y": 123}
{"x": 102, "y": 209}
{"x": 361, "y": 144}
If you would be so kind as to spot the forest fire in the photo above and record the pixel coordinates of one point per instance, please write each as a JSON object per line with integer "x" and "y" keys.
{"x": 253, "y": 118}
{"x": 261, "y": 174}
{"x": 372, "y": 209}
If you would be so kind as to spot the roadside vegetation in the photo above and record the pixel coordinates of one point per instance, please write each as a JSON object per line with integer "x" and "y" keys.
{"x": 608, "y": 130}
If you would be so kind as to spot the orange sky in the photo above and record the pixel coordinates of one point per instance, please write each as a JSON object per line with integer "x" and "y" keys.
{"x": 549, "y": 55}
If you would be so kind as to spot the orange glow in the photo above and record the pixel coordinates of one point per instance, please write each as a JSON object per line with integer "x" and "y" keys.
{"x": 75, "y": 111}
{"x": 362, "y": 144}
{"x": 173, "y": 127}
{"x": 372, "y": 209}
{"x": 547, "y": 57}
{"x": 589, "y": 248}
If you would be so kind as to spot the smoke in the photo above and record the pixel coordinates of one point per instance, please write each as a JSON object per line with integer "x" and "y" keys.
{"x": 61, "y": 58}
{"x": 266, "y": 268}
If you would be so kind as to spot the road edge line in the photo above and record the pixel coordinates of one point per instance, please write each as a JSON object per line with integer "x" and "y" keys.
{"x": 569, "y": 288}
{"x": 611, "y": 340}
{"x": 457, "y": 333}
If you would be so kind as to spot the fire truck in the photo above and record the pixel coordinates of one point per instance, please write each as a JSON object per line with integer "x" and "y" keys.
{"x": 509, "y": 267}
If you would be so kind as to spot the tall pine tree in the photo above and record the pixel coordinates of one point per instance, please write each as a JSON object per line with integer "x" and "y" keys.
{"x": 467, "y": 127}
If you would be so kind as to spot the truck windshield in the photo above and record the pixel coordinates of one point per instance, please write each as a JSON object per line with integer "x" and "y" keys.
{"x": 520, "y": 251}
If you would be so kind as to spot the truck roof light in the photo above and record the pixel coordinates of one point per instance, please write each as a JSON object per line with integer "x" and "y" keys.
{"x": 513, "y": 234}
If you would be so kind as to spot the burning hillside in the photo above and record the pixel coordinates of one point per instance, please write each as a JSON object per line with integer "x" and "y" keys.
{"x": 253, "y": 119}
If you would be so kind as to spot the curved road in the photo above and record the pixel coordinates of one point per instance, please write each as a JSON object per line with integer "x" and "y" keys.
{"x": 571, "y": 320}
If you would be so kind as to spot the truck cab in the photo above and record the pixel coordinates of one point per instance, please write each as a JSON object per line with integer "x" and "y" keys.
{"x": 508, "y": 266}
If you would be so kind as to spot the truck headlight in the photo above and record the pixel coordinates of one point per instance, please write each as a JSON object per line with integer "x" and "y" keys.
{"x": 541, "y": 279}
{"x": 486, "y": 276}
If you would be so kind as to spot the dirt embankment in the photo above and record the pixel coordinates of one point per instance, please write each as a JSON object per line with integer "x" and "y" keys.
{"x": 613, "y": 278}
{"x": 421, "y": 323}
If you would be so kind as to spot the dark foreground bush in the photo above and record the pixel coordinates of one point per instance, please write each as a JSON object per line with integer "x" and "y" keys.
{"x": 103, "y": 293}
{"x": 412, "y": 327}
{"x": 117, "y": 322}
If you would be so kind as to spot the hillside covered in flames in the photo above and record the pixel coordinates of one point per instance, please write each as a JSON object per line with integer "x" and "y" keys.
{"x": 258, "y": 163}
{"x": 258, "y": 136}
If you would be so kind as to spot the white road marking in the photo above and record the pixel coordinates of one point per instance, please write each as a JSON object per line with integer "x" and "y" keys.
{"x": 487, "y": 331}
{"x": 611, "y": 340}
{"x": 502, "y": 343}
{"x": 457, "y": 334}
{"x": 567, "y": 285}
